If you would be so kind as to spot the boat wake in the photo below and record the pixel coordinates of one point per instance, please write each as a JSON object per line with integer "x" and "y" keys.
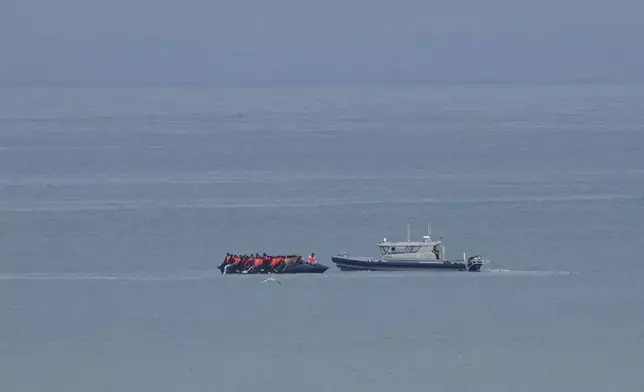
{"x": 115, "y": 277}
{"x": 215, "y": 204}
{"x": 526, "y": 272}
{"x": 443, "y": 274}
{"x": 212, "y": 275}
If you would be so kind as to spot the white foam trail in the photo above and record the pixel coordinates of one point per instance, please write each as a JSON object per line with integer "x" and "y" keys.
{"x": 139, "y": 205}
{"x": 440, "y": 274}
{"x": 209, "y": 275}
{"x": 527, "y": 272}
{"x": 271, "y": 280}
{"x": 180, "y": 178}
{"x": 90, "y": 277}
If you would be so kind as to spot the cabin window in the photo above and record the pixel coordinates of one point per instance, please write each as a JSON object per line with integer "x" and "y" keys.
{"x": 384, "y": 250}
{"x": 398, "y": 249}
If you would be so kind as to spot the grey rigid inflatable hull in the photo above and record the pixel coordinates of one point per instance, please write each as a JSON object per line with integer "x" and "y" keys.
{"x": 302, "y": 268}
{"x": 346, "y": 263}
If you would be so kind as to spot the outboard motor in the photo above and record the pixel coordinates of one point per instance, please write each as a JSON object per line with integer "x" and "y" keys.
{"x": 475, "y": 262}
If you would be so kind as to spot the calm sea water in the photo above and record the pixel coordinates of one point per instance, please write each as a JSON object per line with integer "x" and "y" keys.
{"x": 117, "y": 203}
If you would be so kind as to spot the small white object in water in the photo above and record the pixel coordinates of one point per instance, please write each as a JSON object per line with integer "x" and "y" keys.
{"x": 272, "y": 280}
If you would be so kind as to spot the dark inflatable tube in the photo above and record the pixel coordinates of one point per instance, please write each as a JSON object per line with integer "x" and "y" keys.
{"x": 301, "y": 268}
{"x": 304, "y": 269}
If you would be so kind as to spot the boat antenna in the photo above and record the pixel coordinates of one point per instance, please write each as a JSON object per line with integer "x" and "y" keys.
{"x": 429, "y": 230}
{"x": 408, "y": 232}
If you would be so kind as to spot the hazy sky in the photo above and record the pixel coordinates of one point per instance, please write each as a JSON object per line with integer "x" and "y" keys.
{"x": 282, "y": 40}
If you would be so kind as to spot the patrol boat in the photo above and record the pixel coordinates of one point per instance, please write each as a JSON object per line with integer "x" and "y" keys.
{"x": 410, "y": 255}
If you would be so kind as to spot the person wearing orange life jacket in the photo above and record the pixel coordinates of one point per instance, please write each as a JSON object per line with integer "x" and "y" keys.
{"x": 312, "y": 258}
{"x": 247, "y": 262}
{"x": 266, "y": 260}
{"x": 226, "y": 261}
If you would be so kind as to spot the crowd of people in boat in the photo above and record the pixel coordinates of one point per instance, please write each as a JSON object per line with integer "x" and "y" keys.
{"x": 262, "y": 263}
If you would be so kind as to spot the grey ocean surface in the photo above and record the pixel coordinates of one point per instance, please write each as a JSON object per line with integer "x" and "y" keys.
{"x": 117, "y": 203}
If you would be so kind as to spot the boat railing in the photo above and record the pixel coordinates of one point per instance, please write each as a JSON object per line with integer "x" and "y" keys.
{"x": 473, "y": 260}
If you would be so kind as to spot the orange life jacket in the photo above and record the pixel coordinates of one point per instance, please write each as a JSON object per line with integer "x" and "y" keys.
{"x": 312, "y": 259}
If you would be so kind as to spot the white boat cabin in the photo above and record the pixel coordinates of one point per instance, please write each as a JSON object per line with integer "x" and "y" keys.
{"x": 427, "y": 250}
